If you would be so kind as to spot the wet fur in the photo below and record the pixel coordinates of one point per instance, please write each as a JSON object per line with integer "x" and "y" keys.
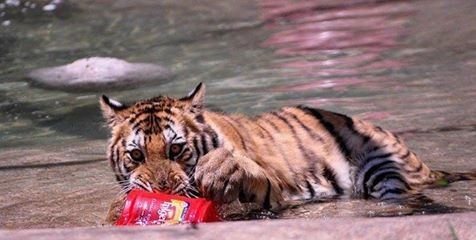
{"x": 292, "y": 154}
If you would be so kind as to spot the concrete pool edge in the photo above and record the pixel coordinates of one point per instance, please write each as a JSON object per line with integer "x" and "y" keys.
{"x": 443, "y": 226}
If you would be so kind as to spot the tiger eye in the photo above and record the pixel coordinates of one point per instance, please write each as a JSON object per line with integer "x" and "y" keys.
{"x": 137, "y": 155}
{"x": 175, "y": 148}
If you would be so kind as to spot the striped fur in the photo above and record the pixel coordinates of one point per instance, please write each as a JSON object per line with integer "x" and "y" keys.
{"x": 295, "y": 153}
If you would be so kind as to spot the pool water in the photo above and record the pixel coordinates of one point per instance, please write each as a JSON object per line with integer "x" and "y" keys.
{"x": 408, "y": 66}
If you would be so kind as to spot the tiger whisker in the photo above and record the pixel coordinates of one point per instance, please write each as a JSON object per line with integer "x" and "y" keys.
{"x": 192, "y": 172}
{"x": 142, "y": 185}
{"x": 193, "y": 188}
{"x": 191, "y": 191}
{"x": 124, "y": 191}
{"x": 123, "y": 182}
{"x": 192, "y": 195}
{"x": 149, "y": 187}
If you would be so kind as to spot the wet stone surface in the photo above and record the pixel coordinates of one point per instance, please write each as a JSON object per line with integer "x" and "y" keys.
{"x": 412, "y": 73}
{"x": 449, "y": 226}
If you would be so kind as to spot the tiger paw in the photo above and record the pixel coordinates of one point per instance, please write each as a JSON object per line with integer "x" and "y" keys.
{"x": 219, "y": 176}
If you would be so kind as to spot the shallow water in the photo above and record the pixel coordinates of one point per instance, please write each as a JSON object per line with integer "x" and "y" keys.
{"x": 406, "y": 65}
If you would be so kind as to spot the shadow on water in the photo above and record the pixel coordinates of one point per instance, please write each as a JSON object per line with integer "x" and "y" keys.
{"x": 50, "y": 165}
{"x": 84, "y": 121}
{"x": 6, "y": 44}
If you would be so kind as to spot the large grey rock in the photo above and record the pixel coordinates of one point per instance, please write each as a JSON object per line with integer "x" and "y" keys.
{"x": 100, "y": 73}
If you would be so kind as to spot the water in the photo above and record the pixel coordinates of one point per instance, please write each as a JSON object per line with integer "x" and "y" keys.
{"x": 408, "y": 66}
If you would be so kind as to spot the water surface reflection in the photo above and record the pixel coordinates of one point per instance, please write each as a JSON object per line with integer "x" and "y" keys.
{"x": 336, "y": 44}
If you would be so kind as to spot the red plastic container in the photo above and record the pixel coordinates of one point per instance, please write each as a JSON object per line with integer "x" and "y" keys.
{"x": 147, "y": 208}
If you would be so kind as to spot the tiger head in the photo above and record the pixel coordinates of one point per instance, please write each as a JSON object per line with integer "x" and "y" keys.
{"x": 155, "y": 143}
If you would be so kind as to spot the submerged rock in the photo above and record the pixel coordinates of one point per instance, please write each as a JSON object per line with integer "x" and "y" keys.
{"x": 100, "y": 73}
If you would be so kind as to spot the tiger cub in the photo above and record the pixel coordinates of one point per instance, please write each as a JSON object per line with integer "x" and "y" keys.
{"x": 296, "y": 153}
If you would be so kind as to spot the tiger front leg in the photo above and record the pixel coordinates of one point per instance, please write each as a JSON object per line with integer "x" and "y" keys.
{"x": 224, "y": 177}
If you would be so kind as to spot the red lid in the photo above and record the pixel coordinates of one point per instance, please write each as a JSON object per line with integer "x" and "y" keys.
{"x": 147, "y": 208}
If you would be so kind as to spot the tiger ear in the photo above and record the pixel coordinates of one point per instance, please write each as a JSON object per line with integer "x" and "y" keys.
{"x": 112, "y": 110}
{"x": 196, "y": 97}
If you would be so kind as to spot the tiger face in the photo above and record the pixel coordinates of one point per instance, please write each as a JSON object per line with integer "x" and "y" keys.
{"x": 155, "y": 143}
